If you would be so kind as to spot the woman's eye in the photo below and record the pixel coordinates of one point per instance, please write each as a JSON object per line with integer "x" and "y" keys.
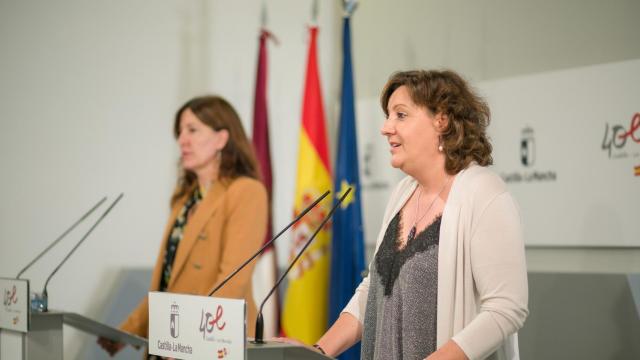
{"x": 401, "y": 115}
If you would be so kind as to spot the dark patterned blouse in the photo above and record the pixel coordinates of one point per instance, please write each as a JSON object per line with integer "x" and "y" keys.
{"x": 172, "y": 245}
{"x": 400, "y": 316}
{"x": 175, "y": 236}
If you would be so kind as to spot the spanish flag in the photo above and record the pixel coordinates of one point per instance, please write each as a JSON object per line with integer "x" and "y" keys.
{"x": 304, "y": 315}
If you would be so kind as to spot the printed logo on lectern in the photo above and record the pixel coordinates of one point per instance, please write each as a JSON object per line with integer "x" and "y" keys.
{"x": 174, "y": 331}
{"x": 10, "y": 297}
{"x": 527, "y": 147}
{"x": 174, "y": 321}
{"x": 209, "y": 322}
{"x": 222, "y": 353}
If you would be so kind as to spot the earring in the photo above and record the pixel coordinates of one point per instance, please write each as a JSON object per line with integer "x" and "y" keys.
{"x": 440, "y": 147}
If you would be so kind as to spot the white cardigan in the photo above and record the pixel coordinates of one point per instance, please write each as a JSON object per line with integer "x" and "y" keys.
{"x": 482, "y": 275}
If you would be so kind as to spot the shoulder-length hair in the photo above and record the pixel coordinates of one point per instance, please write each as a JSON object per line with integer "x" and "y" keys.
{"x": 464, "y": 140}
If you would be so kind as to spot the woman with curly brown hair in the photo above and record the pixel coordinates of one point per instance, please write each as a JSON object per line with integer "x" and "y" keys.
{"x": 448, "y": 279}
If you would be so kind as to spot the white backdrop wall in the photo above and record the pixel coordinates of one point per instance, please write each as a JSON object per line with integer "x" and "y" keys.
{"x": 88, "y": 91}
{"x": 234, "y": 29}
{"x": 555, "y": 146}
{"x": 489, "y": 39}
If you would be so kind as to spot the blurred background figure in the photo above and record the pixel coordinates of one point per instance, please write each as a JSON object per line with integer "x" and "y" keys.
{"x": 218, "y": 212}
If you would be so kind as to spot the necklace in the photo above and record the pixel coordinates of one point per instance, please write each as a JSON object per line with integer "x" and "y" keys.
{"x": 412, "y": 232}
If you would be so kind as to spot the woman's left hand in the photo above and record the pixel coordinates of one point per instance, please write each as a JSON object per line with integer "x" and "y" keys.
{"x": 293, "y": 342}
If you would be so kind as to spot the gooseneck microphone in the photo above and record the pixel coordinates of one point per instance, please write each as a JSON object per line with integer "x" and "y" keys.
{"x": 258, "y": 339}
{"x": 44, "y": 291}
{"x": 61, "y": 236}
{"x": 303, "y": 213}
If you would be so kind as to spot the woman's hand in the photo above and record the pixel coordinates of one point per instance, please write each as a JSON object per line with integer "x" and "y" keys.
{"x": 110, "y": 346}
{"x": 293, "y": 342}
{"x": 345, "y": 332}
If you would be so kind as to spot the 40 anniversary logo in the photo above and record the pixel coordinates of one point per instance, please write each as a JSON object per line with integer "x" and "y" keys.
{"x": 209, "y": 322}
{"x": 9, "y": 297}
{"x": 617, "y": 136}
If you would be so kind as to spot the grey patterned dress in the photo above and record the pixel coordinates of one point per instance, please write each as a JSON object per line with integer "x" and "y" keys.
{"x": 400, "y": 317}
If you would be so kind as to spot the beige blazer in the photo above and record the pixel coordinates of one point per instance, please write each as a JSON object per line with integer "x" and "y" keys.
{"x": 227, "y": 227}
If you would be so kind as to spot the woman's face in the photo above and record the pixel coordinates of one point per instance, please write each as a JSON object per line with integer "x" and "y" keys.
{"x": 411, "y": 132}
{"x": 199, "y": 143}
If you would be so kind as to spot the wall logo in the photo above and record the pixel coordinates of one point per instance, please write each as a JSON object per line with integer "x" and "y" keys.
{"x": 174, "y": 321}
{"x": 9, "y": 297}
{"x": 209, "y": 322}
{"x": 528, "y": 160}
{"x": 616, "y": 137}
{"x": 527, "y": 147}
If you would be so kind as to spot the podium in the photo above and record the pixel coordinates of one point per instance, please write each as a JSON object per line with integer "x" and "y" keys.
{"x": 281, "y": 351}
{"x": 44, "y": 340}
{"x": 203, "y": 327}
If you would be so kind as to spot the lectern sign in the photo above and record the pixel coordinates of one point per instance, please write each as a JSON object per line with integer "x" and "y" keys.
{"x": 196, "y": 327}
{"x": 14, "y": 312}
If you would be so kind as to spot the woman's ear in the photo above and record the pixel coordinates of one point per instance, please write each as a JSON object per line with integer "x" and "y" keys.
{"x": 442, "y": 121}
{"x": 223, "y": 138}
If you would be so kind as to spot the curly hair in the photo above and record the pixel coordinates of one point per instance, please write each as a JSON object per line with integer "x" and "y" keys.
{"x": 464, "y": 140}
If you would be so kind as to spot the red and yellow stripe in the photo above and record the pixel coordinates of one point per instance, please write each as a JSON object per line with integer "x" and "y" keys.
{"x": 304, "y": 315}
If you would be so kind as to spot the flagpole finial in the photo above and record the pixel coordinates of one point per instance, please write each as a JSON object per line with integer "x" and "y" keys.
{"x": 314, "y": 12}
{"x": 263, "y": 15}
{"x": 349, "y": 7}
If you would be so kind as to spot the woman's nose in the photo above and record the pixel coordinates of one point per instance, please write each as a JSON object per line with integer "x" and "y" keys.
{"x": 387, "y": 128}
{"x": 182, "y": 139}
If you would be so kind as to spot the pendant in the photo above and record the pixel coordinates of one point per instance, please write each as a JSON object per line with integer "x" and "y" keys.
{"x": 412, "y": 234}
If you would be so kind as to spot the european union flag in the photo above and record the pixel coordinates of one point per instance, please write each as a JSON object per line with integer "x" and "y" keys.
{"x": 347, "y": 253}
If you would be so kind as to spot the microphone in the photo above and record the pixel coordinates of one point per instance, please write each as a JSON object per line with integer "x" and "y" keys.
{"x": 45, "y": 301}
{"x": 61, "y": 236}
{"x": 303, "y": 213}
{"x": 258, "y": 339}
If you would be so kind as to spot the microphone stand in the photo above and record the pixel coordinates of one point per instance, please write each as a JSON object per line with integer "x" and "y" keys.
{"x": 258, "y": 339}
{"x": 303, "y": 213}
{"x": 44, "y": 291}
{"x": 61, "y": 236}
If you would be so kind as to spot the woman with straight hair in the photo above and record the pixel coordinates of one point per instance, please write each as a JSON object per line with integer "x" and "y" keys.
{"x": 218, "y": 212}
